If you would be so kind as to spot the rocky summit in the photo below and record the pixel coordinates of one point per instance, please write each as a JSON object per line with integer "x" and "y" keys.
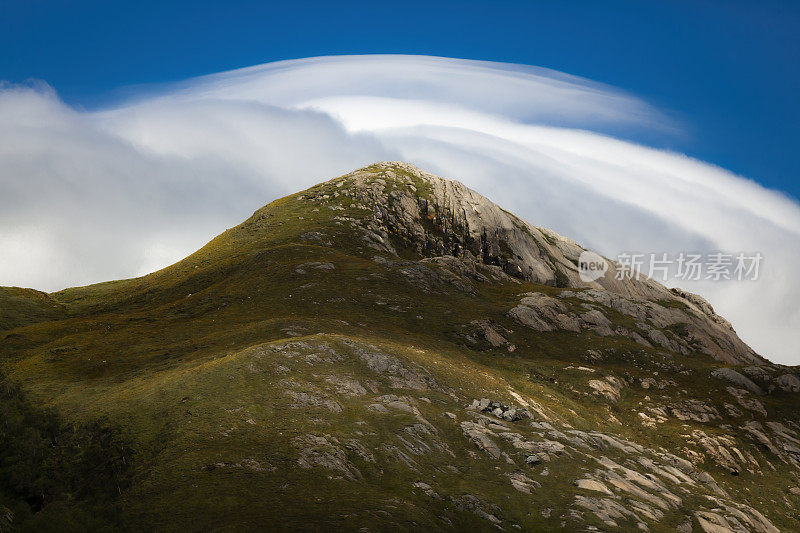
{"x": 389, "y": 350}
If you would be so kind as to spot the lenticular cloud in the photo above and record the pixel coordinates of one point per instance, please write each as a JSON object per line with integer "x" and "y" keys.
{"x": 121, "y": 191}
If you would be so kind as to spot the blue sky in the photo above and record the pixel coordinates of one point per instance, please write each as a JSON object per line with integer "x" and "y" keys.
{"x": 728, "y": 71}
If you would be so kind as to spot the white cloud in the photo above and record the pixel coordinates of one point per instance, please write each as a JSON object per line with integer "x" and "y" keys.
{"x": 102, "y": 199}
{"x": 113, "y": 193}
{"x": 527, "y": 92}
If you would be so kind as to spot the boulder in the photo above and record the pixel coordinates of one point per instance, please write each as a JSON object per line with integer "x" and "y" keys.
{"x": 735, "y": 378}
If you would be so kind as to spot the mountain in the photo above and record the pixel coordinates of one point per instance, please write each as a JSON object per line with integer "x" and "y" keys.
{"x": 388, "y": 350}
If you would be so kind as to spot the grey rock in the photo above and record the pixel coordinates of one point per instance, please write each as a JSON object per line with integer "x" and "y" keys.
{"x": 480, "y": 437}
{"x": 734, "y": 377}
{"x": 427, "y": 489}
{"x": 440, "y": 218}
{"x": 510, "y": 413}
{"x": 533, "y": 459}
{"x": 391, "y": 367}
{"x": 319, "y": 451}
{"x": 788, "y": 383}
{"x": 492, "y": 336}
{"x": 303, "y": 400}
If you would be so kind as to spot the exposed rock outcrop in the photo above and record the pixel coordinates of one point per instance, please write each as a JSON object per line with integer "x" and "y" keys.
{"x": 416, "y": 212}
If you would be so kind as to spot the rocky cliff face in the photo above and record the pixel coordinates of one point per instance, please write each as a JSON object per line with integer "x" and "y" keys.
{"x": 389, "y": 351}
{"x": 431, "y": 217}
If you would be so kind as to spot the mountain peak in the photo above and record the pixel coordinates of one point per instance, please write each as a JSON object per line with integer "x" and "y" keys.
{"x": 402, "y": 211}
{"x": 415, "y": 211}
{"x": 372, "y": 350}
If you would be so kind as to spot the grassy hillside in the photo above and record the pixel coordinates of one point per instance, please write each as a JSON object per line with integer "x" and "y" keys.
{"x": 290, "y": 376}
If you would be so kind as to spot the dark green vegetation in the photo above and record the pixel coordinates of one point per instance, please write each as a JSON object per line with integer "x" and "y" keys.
{"x": 55, "y": 475}
{"x": 287, "y": 376}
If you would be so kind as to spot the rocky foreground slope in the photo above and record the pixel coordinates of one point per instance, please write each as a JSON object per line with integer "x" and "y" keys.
{"x": 389, "y": 350}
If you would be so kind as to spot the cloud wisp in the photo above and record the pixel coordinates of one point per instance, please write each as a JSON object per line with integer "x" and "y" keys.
{"x": 89, "y": 196}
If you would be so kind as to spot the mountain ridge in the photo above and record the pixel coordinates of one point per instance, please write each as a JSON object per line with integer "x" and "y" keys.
{"x": 367, "y": 353}
{"x": 473, "y": 228}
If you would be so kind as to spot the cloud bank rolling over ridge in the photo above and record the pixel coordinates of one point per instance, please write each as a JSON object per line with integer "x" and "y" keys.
{"x": 118, "y": 192}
